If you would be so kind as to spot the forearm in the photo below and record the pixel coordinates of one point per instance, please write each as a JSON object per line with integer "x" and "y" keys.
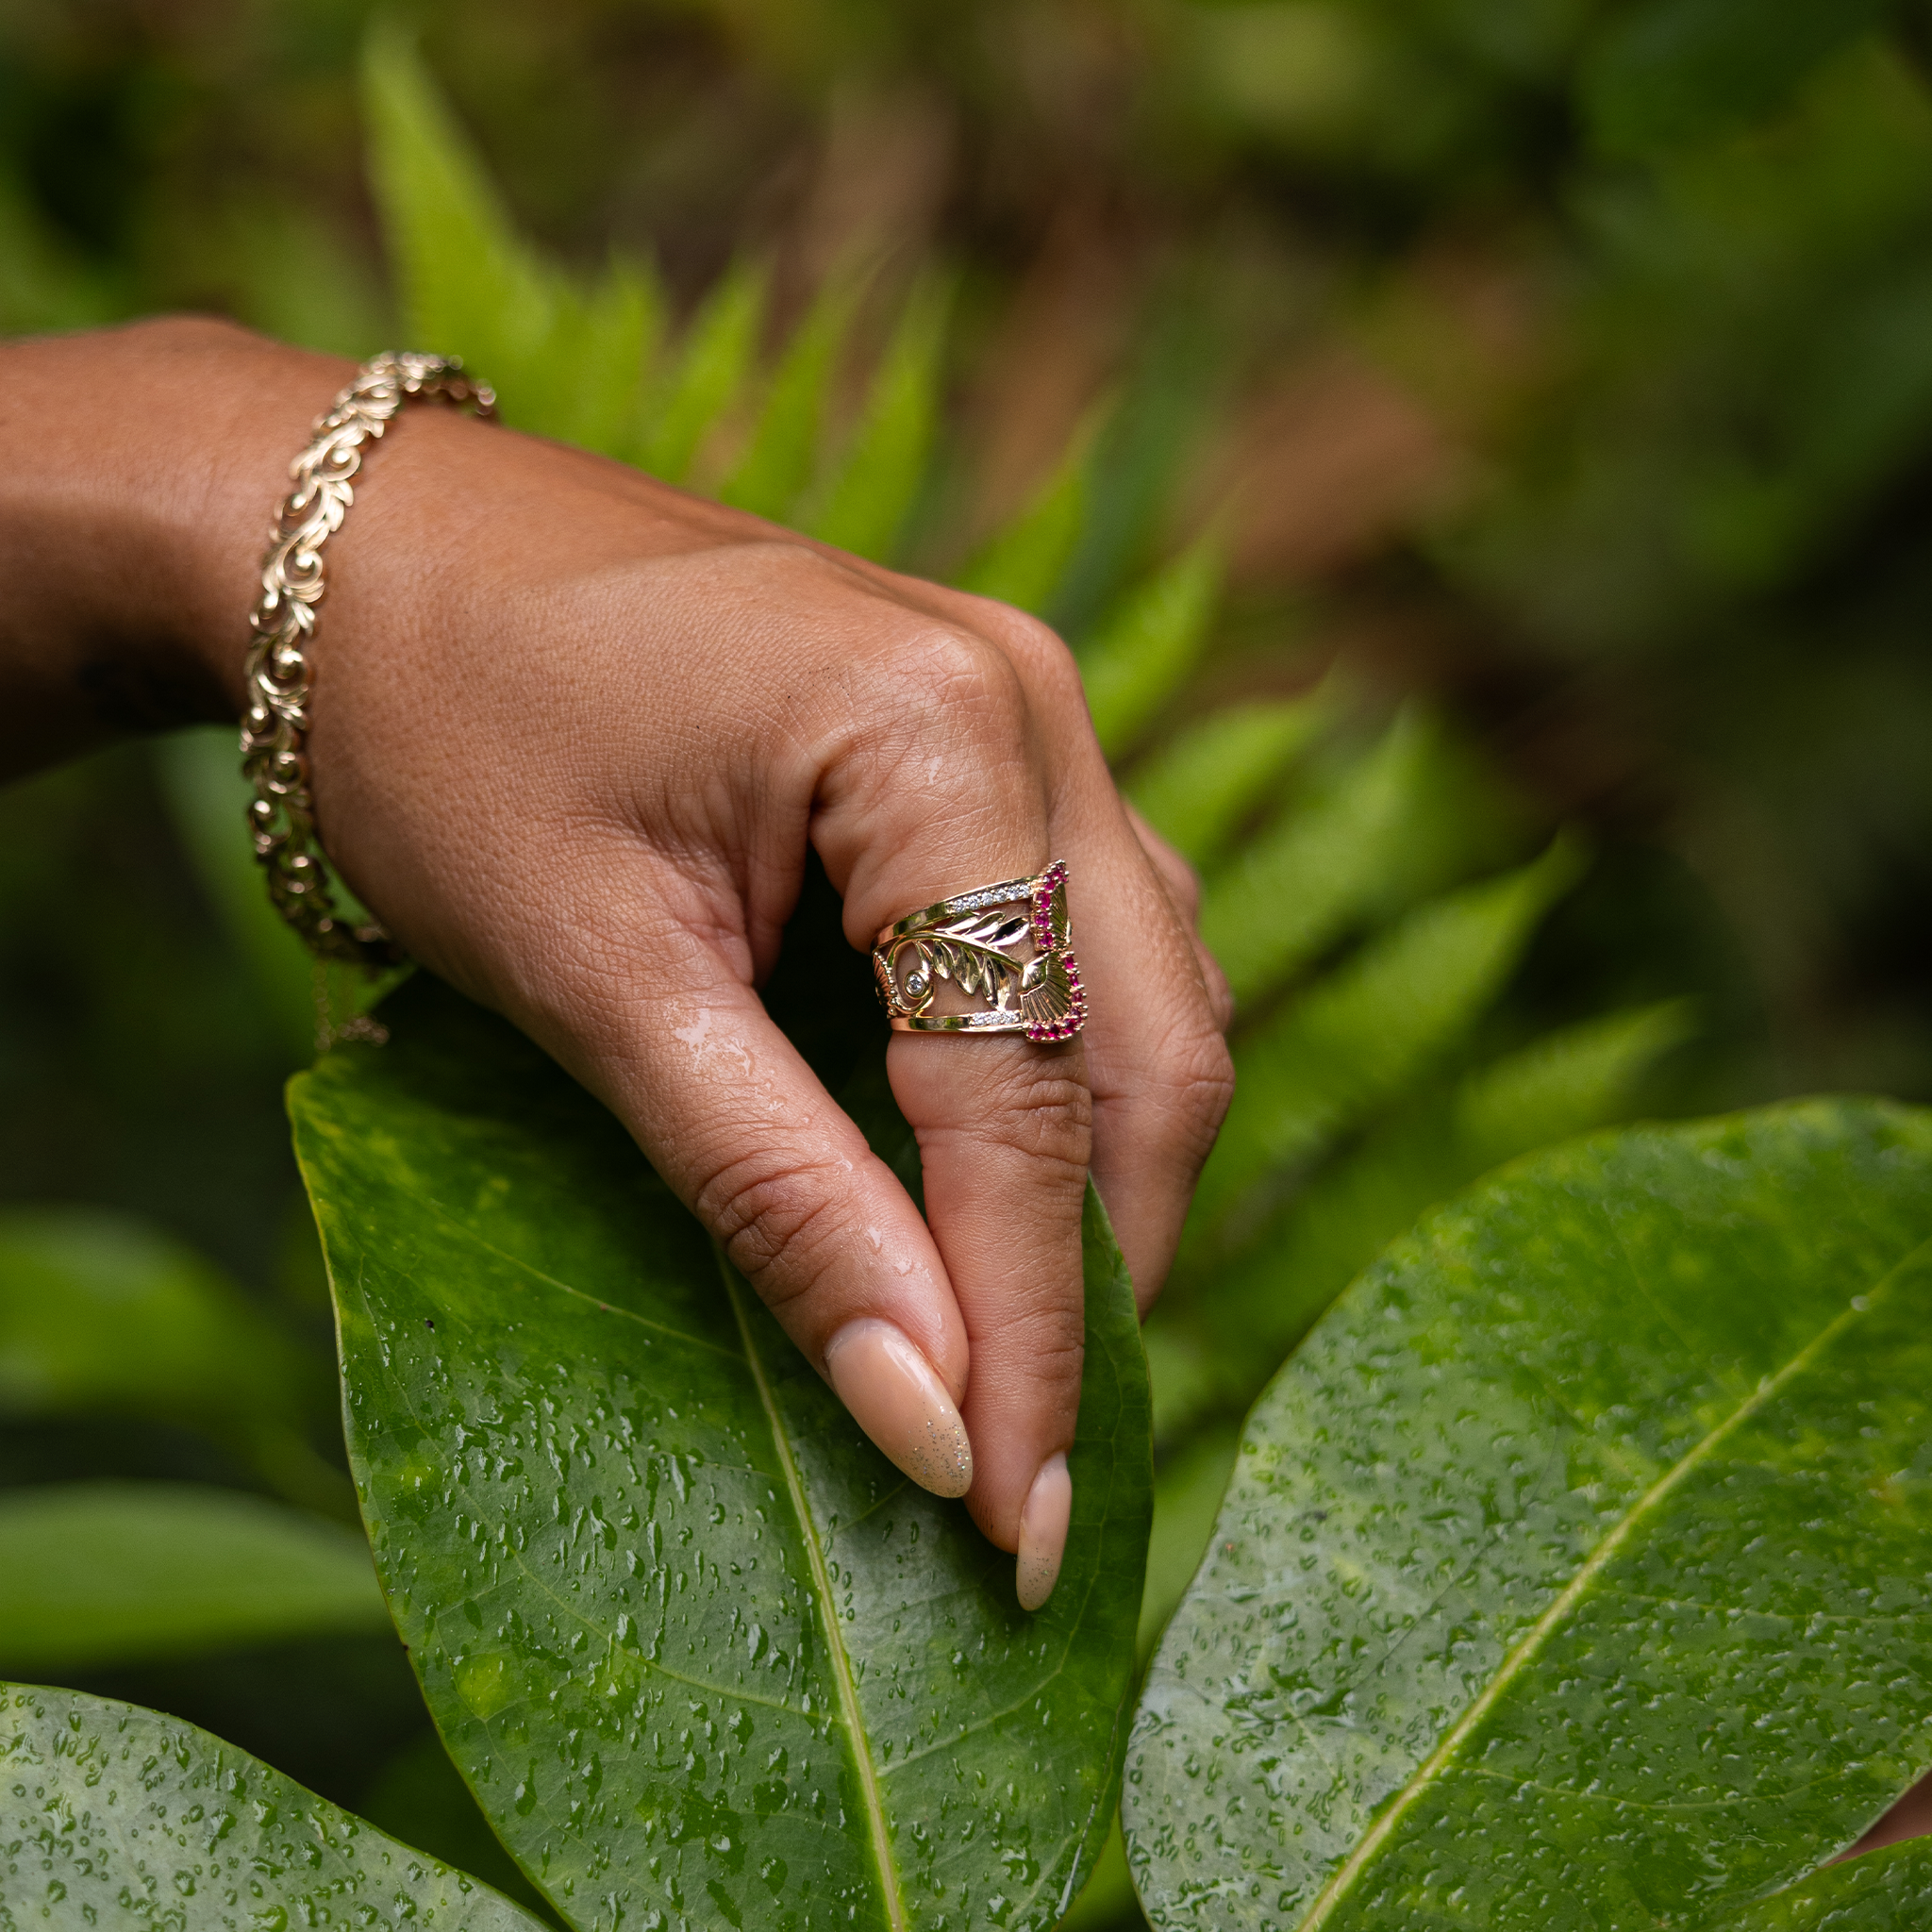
{"x": 138, "y": 469}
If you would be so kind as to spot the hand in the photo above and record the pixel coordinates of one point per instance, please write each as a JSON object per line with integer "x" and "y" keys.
{"x": 573, "y": 733}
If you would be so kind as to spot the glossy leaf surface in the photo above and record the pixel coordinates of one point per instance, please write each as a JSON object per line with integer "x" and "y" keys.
{"x": 111, "y": 1815}
{"x": 107, "y": 1572}
{"x": 1575, "y": 1570}
{"x": 701, "y": 1651}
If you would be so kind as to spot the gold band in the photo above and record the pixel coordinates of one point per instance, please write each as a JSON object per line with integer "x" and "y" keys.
{"x": 275, "y": 729}
{"x": 1016, "y": 964}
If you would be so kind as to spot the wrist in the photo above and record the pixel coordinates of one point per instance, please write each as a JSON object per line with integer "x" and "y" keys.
{"x": 139, "y": 469}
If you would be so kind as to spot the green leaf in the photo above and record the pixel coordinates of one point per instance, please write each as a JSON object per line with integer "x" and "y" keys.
{"x": 1885, "y": 1891}
{"x": 601, "y": 351}
{"x": 111, "y": 1573}
{"x": 1372, "y": 1026}
{"x": 880, "y": 472}
{"x": 687, "y": 1635}
{"x": 716, "y": 362}
{"x": 102, "y": 1314}
{"x": 1563, "y": 1561}
{"x": 468, "y": 285}
{"x": 1300, "y": 885}
{"x": 1678, "y": 69}
{"x": 1564, "y": 1084}
{"x": 116, "y": 1816}
{"x": 419, "y": 1797}
{"x": 779, "y": 462}
{"x": 1196, "y": 791}
{"x": 1024, "y": 563}
{"x": 1187, "y": 1499}
{"x": 1138, "y": 661}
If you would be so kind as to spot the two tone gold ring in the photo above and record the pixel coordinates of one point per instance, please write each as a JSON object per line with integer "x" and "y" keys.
{"x": 999, "y": 959}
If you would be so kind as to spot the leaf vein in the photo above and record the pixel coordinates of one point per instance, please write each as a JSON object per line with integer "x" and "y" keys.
{"x": 1557, "y": 1611}
{"x": 822, "y": 1590}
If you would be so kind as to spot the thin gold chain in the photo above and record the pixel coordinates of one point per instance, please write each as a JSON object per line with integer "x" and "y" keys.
{"x": 275, "y": 727}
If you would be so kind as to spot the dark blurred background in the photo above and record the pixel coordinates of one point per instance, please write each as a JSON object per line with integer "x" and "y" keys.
{"x": 1567, "y": 366}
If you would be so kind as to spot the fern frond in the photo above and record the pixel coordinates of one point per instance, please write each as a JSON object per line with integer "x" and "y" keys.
{"x": 1196, "y": 792}
{"x": 716, "y": 362}
{"x": 1302, "y": 884}
{"x": 878, "y": 474}
{"x": 1024, "y": 563}
{"x": 468, "y": 285}
{"x": 565, "y": 361}
{"x": 1565, "y": 1083}
{"x": 604, "y": 355}
{"x": 1138, "y": 661}
{"x": 779, "y": 461}
{"x": 1369, "y": 1028}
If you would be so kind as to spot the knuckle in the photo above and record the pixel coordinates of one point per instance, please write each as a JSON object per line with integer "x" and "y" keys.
{"x": 1197, "y": 1080}
{"x": 1056, "y": 1353}
{"x": 778, "y": 1222}
{"x": 1041, "y": 1110}
{"x": 971, "y": 679}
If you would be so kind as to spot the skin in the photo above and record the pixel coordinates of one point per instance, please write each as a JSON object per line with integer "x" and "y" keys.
{"x": 574, "y": 732}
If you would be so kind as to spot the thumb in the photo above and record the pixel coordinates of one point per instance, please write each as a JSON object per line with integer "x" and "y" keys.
{"x": 740, "y": 1128}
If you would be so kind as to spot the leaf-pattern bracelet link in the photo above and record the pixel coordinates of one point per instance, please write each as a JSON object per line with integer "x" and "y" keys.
{"x": 275, "y": 727}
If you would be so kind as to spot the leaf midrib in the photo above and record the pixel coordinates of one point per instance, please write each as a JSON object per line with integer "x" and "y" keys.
{"x": 842, "y": 1679}
{"x": 1539, "y": 1633}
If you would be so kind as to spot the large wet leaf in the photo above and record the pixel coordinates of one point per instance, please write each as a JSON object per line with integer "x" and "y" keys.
{"x": 1575, "y": 1571}
{"x": 705, "y": 1656}
{"x": 111, "y": 1815}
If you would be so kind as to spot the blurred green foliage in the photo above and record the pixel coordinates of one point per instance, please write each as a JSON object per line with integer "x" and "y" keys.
{"x": 1433, "y": 425}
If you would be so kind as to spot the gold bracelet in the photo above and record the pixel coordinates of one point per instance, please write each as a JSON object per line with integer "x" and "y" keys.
{"x": 275, "y": 729}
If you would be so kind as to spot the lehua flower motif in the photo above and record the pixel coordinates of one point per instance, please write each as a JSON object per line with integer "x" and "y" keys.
{"x": 1052, "y": 943}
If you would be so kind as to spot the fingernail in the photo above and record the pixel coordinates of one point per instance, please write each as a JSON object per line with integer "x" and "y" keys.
{"x": 1043, "y": 1533}
{"x": 897, "y": 1397}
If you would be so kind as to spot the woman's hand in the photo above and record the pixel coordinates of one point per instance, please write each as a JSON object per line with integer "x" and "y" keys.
{"x": 573, "y": 733}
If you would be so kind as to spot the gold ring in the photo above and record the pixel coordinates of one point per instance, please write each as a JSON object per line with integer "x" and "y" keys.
{"x": 975, "y": 964}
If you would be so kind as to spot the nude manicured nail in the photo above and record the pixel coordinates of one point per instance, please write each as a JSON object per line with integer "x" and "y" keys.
{"x": 1043, "y": 1533}
{"x": 897, "y": 1397}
